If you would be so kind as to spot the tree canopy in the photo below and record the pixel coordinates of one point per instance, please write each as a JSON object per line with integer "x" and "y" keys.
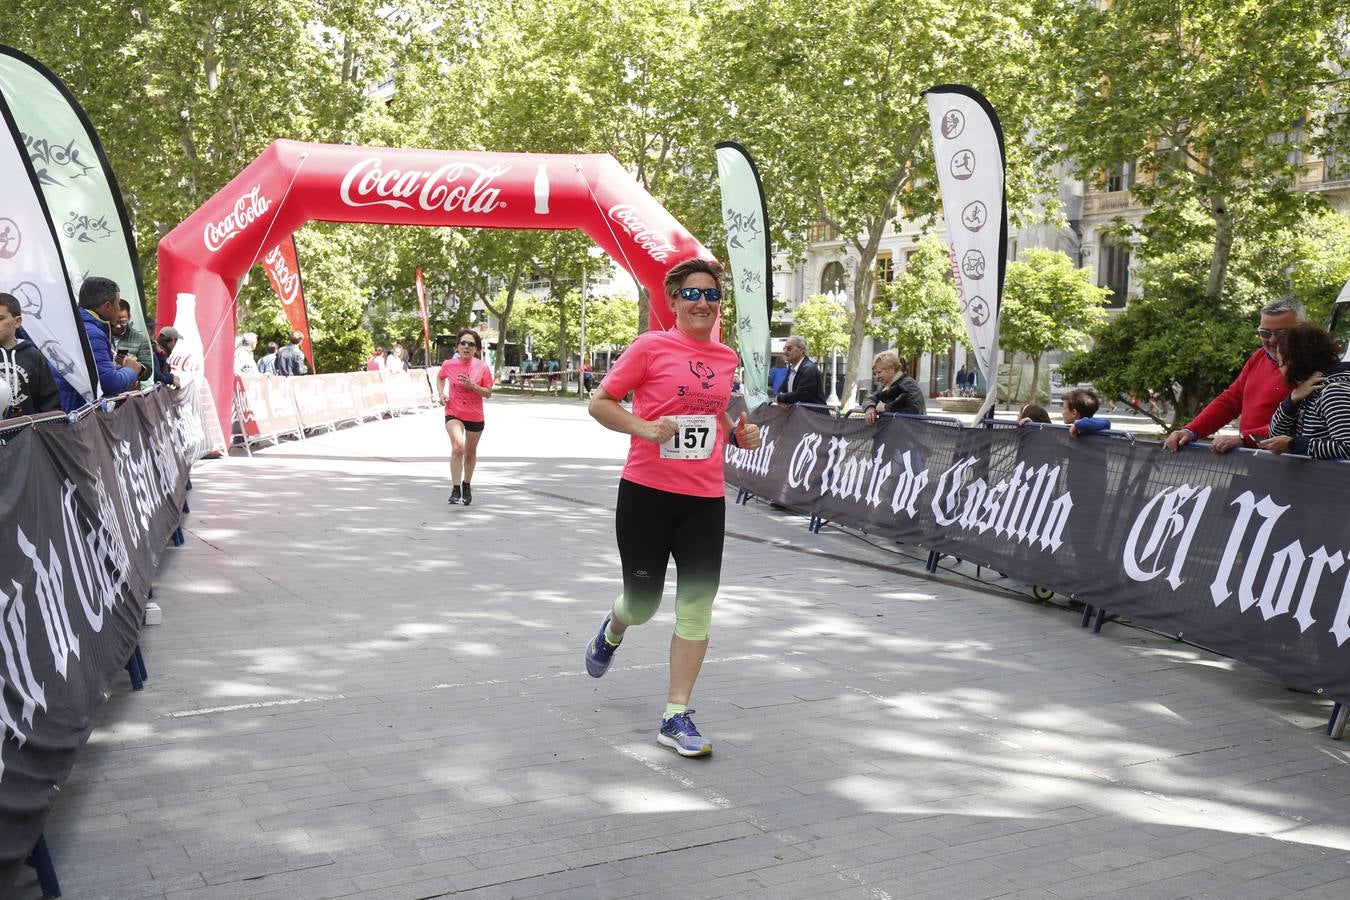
{"x": 1215, "y": 106}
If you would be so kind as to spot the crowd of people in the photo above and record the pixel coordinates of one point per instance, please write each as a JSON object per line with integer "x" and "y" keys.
{"x": 395, "y": 359}
{"x": 124, "y": 358}
{"x": 286, "y": 360}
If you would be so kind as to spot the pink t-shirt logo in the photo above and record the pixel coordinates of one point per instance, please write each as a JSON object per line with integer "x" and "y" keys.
{"x": 703, "y": 372}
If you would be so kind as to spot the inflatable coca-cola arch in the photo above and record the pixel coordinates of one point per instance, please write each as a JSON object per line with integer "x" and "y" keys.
{"x": 291, "y": 183}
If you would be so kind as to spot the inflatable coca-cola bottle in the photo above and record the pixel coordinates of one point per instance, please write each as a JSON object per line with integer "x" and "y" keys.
{"x": 188, "y": 357}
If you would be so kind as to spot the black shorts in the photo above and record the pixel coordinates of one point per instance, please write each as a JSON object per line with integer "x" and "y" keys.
{"x": 468, "y": 426}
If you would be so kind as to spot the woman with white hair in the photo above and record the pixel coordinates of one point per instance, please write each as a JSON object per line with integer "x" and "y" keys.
{"x": 894, "y": 390}
{"x": 243, "y": 354}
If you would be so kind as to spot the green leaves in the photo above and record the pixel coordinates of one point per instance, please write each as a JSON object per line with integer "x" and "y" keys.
{"x": 822, "y": 322}
{"x": 1048, "y": 304}
{"x": 919, "y": 311}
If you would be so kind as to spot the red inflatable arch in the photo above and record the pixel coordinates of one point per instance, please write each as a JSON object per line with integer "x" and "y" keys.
{"x": 292, "y": 183}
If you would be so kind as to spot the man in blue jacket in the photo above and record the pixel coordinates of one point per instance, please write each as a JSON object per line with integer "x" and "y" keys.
{"x": 100, "y": 300}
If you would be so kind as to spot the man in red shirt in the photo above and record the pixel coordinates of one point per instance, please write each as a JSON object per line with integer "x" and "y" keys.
{"x": 1253, "y": 397}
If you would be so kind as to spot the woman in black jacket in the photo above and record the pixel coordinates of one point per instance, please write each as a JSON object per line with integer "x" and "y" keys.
{"x": 896, "y": 392}
{"x": 1315, "y": 419}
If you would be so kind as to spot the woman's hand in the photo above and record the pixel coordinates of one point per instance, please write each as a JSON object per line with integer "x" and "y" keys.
{"x": 658, "y": 431}
{"x": 1304, "y": 388}
{"x": 1281, "y": 444}
{"x": 747, "y": 434}
{"x": 870, "y": 415}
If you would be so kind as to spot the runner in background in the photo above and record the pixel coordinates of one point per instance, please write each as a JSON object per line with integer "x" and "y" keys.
{"x": 672, "y": 500}
{"x": 462, "y": 383}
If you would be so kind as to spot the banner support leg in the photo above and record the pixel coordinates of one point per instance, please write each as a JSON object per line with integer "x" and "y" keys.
{"x": 134, "y": 670}
{"x": 1336, "y": 724}
{"x": 41, "y": 861}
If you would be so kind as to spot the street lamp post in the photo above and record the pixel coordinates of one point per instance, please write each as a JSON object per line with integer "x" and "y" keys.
{"x": 833, "y": 401}
{"x": 581, "y": 366}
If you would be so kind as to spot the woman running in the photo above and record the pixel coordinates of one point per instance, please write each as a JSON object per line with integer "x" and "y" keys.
{"x": 672, "y": 500}
{"x": 462, "y": 384}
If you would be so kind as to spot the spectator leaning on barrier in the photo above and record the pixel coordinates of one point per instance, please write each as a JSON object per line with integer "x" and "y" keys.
{"x": 99, "y": 304}
{"x": 376, "y": 362}
{"x": 1253, "y": 397}
{"x": 126, "y": 339}
{"x": 803, "y": 378}
{"x": 896, "y": 392}
{"x": 1080, "y": 412}
{"x": 267, "y": 365}
{"x": 163, "y": 348}
{"x": 291, "y": 359}
{"x": 27, "y": 384}
{"x": 1033, "y": 413}
{"x": 1315, "y": 418}
{"x": 243, "y": 354}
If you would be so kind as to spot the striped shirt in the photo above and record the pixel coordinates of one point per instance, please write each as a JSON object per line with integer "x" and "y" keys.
{"x": 1320, "y": 423}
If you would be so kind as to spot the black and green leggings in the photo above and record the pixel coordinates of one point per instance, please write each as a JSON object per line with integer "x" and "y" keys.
{"x": 653, "y": 526}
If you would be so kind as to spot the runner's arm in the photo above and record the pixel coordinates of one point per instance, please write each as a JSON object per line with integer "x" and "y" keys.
{"x": 607, "y": 411}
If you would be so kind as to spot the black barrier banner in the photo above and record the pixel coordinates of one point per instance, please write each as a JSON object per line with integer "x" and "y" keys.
{"x": 85, "y": 512}
{"x": 1245, "y": 553}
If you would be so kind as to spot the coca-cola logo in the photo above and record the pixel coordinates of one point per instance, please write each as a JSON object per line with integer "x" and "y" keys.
{"x": 247, "y": 209}
{"x": 189, "y": 362}
{"x": 287, "y": 282}
{"x": 657, "y": 245}
{"x": 462, "y": 186}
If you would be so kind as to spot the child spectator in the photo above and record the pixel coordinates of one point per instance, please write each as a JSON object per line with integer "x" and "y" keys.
{"x": 1080, "y": 410}
{"x": 23, "y": 368}
{"x": 1033, "y": 413}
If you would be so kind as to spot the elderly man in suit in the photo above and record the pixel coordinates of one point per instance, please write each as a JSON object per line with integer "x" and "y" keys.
{"x": 803, "y": 380}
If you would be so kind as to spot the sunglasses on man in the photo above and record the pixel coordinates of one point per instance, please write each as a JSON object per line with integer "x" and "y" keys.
{"x": 712, "y": 295}
{"x": 1266, "y": 334}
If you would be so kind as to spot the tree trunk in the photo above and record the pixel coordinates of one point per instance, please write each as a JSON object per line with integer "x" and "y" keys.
{"x": 1012, "y": 398}
{"x": 563, "y": 354}
{"x": 862, "y": 312}
{"x": 1035, "y": 378}
{"x": 1223, "y": 246}
{"x": 504, "y": 317}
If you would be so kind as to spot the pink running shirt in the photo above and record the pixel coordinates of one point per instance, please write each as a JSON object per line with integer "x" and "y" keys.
{"x": 461, "y": 402}
{"x": 671, "y": 374}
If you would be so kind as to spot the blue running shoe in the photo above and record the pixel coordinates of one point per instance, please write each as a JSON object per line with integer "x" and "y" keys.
{"x": 599, "y": 654}
{"x": 681, "y": 735}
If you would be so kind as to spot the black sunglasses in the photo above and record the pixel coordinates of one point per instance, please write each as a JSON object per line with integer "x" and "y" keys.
{"x": 712, "y": 295}
{"x": 468, "y": 344}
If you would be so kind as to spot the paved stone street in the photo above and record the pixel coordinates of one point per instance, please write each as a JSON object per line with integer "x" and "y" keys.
{"x": 359, "y": 690}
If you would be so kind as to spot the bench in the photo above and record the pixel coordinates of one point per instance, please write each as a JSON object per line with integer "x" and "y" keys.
{"x": 540, "y": 382}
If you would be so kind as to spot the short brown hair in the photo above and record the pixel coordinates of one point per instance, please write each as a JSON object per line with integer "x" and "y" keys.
{"x": 1304, "y": 350}
{"x": 1082, "y": 401}
{"x": 676, "y": 276}
{"x": 477, "y": 339}
{"x": 11, "y": 303}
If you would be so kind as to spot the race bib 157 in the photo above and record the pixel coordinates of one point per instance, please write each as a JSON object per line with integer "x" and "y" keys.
{"x": 694, "y": 438}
